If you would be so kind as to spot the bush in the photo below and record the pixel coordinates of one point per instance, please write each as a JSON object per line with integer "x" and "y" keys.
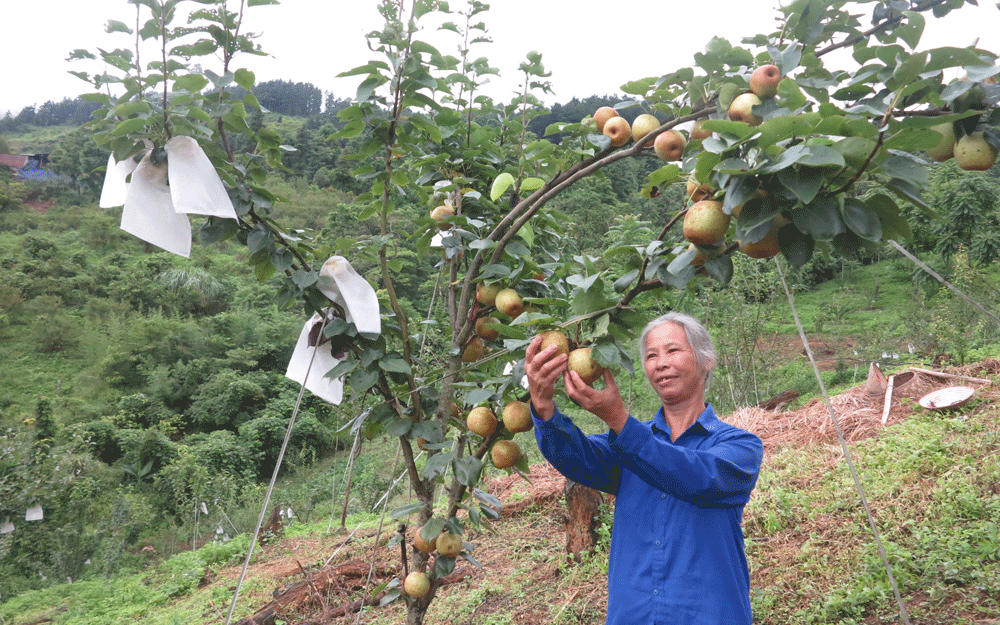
{"x": 310, "y": 440}
{"x": 226, "y": 400}
{"x": 101, "y": 439}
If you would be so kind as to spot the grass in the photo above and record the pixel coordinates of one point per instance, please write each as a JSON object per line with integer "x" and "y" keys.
{"x": 933, "y": 483}
{"x": 37, "y": 139}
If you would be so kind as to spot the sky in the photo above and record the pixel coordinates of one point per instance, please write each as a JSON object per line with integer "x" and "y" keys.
{"x": 589, "y": 50}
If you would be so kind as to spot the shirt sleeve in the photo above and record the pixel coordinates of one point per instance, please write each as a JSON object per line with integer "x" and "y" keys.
{"x": 587, "y": 460}
{"x": 719, "y": 475}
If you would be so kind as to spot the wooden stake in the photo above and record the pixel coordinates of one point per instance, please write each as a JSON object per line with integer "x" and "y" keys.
{"x": 950, "y": 375}
{"x": 888, "y": 397}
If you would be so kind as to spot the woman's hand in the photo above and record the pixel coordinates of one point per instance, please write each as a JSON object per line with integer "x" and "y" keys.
{"x": 606, "y": 403}
{"x": 543, "y": 367}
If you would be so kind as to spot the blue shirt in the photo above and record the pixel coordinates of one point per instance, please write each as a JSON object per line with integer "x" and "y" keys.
{"x": 677, "y": 554}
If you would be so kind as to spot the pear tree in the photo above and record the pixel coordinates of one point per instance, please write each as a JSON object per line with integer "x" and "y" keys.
{"x": 821, "y": 157}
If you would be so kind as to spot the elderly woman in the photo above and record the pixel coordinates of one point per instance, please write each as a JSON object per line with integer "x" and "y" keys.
{"x": 680, "y": 480}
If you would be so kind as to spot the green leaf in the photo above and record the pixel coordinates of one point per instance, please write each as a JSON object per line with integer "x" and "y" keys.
{"x": 363, "y": 379}
{"x": 404, "y": 511}
{"x": 778, "y": 129}
{"x": 720, "y": 267}
{"x": 500, "y": 185}
{"x": 395, "y": 365}
{"x": 906, "y": 168}
{"x": 467, "y": 470}
{"x": 190, "y": 82}
{"x": 432, "y": 528}
{"x": 821, "y": 156}
{"x": 341, "y": 369}
{"x": 804, "y": 182}
{"x": 623, "y": 282}
{"x": 132, "y": 107}
{"x": 477, "y": 396}
{"x": 797, "y": 247}
{"x": 114, "y": 26}
{"x": 855, "y": 150}
{"x": 790, "y": 94}
{"x": 894, "y": 225}
{"x": 527, "y": 233}
{"x": 399, "y": 427}
{"x": 245, "y": 78}
{"x": 532, "y": 184}
{"x": 721, "y": 126}
{"x": 861, "y": 219}
{"x": 908, "y": 191}
{"x": 820, "y": 219}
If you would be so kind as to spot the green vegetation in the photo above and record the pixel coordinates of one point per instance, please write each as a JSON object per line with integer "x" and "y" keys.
{"x": 147, "y": 400}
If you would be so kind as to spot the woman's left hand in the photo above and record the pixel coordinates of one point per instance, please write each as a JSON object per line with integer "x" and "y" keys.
{"x": 606, "y": 403}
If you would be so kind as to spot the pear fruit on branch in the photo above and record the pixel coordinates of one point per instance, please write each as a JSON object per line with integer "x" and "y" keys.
{"x": 584, "y": 365}
{"x": 505, "y": 454}
{"x": 974, "y": 153}
{"x": 618, "y": 130}
{"x": 517, "y": 417}
{"x": 705, "y": 223}
{"x": 417, "y": 585}
{"x": 764, "y": 81}
{"x": 602, "y": 115}
{"x": 642, "y": 126}
{"x": 481, "y": 421}
{"x": 741, "y": 110}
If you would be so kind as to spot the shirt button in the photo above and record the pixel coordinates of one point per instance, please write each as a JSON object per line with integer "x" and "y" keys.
{"x": 663, "y": 496}
{"x": 657, "y": 543}
{"x": 656, "y": 592}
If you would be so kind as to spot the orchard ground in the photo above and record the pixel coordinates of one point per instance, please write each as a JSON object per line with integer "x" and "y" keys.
{"x": 810, "y": 549}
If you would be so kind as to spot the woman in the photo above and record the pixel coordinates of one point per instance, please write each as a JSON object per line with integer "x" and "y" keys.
{"x": 680, "y": 480}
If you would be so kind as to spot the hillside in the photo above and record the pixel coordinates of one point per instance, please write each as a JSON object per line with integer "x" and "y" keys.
{"x": 932, "y": 479}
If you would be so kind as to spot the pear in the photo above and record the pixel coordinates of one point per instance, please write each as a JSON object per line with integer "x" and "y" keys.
{"x": 484, "y": 332}
{"x": 764, "y": 81}
{"x": 481, "y": 421}
{"x": 439, "y": 215}
{"x": 974, "y": 153}
{"x": 669, "y": 145}
{"x": 643, "y": 125}
{"x": 422, "y": 545}
{"x": 474, "y": 350}
{"x": 449, "y": 544}
{"x": 517, "y": 417}
{"x": 602, "y": 115}
{"x": 768, "y": 246}
{"x": 586, "y": 367}
{"x": 741, "y": 110}
{"x": 417, "y": 585}
{"x": 505, "y": 454}
{"x": 486, "y": 294}
{"x": 509, "y": 303}
{"x": 705, "y": 223}
{"x": 618, "y": 130}
{"x": 698, "y": 131}
{"x": 554, "y": 337}
{"x": 945, "y": 149}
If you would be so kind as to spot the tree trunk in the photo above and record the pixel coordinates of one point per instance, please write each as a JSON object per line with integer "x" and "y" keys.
{"x": 582, "y": 519}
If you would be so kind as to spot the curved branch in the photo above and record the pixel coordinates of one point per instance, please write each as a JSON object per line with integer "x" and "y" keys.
{"x": 886, "y": 25}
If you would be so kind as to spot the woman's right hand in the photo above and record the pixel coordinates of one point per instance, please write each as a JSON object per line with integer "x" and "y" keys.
{"x": 543, "y": 368}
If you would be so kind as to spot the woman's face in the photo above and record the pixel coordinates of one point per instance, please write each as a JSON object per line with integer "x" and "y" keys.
{"x": 671, "y": 366}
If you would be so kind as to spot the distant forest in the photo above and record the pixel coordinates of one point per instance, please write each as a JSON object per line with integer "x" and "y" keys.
{"x": 283, "y": 97}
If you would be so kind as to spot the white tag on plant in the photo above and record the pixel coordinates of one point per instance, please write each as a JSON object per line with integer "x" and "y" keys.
{"x": 34, "y": 514}
{"x": 6, "y": 527}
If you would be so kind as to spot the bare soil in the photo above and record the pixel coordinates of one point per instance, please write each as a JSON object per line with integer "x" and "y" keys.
{"x": 319, "y": 579}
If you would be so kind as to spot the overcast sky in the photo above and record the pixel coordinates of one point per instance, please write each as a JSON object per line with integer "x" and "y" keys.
{"x": 588, "y": 51}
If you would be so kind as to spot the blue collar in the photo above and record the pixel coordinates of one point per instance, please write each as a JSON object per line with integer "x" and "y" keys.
{"x": 706, "y": 423}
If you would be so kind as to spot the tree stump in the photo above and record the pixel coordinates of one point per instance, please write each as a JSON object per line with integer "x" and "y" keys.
{"x": 274, "y": 528}
{"x": 582, "y": 519}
